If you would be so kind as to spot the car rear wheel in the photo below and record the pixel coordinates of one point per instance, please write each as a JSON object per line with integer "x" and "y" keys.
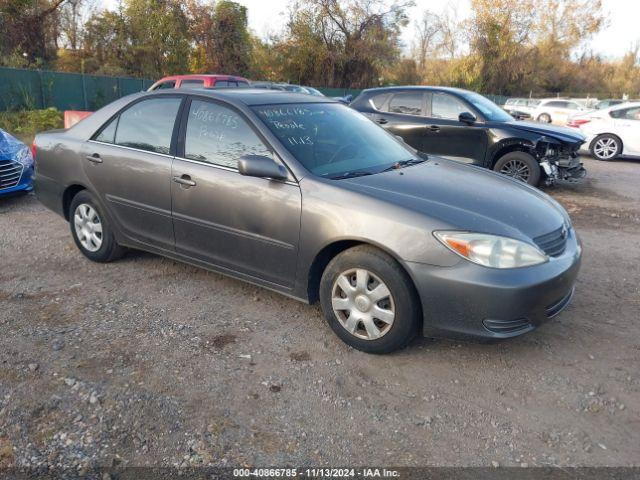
{"x": 544, "y": 118}
{"x": 91, "y": 230}
{"x": 369, "y": 301}
{"x": 519, "y": 165}
{"x": 606, "y": 147}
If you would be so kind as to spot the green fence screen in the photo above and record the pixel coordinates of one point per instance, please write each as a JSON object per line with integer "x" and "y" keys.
{"x": 36, "y": 89}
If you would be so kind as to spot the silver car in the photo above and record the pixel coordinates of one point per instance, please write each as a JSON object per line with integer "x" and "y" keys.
{"x": 307, "y": 197}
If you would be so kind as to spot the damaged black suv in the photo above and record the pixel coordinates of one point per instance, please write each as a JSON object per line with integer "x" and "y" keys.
{"x": 468, "y": 127}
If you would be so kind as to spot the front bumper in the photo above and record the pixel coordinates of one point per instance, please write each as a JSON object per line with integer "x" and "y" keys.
{"x": 471, "y": 301}
{"x": 25, "y": 184}
{"x": 569, "y": 169}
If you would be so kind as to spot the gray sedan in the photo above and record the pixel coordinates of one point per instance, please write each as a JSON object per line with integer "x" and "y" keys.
{"x": 307, "y": 197}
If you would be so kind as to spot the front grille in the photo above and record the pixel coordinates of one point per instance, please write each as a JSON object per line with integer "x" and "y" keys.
{"x": 554, "y": 243}
{"x": 556, "y": 307}
{"x": 506, "y": 327}
{"x": 10, "y": 173}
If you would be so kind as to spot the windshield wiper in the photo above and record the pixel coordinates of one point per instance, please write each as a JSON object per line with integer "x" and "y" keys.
{"x": 404, "y": 163}
{"x": 353, "y": 174}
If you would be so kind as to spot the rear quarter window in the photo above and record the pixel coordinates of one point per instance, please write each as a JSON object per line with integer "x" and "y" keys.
{"x": 379, "y": 100}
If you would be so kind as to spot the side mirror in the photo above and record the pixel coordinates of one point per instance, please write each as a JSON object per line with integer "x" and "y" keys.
{"x": 261, "y": 166}
{"x": 467, "y": 117}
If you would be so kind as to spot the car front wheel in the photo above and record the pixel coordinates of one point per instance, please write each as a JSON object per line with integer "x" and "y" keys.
{"x": 91, "y": 230}
{"x": 606, "y": 147}
{"x": 369, "y": 301}
{"x": 519, "y": 165}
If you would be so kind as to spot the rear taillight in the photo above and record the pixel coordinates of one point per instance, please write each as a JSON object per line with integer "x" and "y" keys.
{"x": 577, "y": 122}
{"x": 34, "y": 149}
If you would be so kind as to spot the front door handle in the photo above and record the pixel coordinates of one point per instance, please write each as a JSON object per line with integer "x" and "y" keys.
{"x": 382, "y": 121}
{"x": 95, "y": 158}
{"x": 434, "y": 128}
{"x": 184, "y": 180}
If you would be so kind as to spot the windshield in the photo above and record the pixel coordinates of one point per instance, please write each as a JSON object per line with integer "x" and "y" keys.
{"x": 334, "y": 141}
{"x": 489, "y": 110}
{"x": 313, "y": 91}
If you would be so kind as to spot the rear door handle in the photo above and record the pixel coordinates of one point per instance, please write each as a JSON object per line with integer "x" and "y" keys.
{"x": 434, "y": 128}
{"x": 95, "y": 158}
{"x": 184, "y": 180}
{"x": 382, "y": 121}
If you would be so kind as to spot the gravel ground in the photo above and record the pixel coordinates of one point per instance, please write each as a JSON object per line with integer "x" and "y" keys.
{"x": 149, "y": 362}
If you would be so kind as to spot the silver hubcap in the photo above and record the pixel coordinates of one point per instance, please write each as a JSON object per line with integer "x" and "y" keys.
{"x": 363, "y": 304}
{"x": 605, "y": 148}
{"x": 516, "y": 169}
{"x": 88, "y": 227}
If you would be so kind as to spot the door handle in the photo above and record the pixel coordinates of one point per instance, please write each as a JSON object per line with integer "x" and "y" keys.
{"x": 95, "y": 158}
{"x": 434, "y": 128}
{"x": 382, "y": 121}
{"x": 184, "y": 180}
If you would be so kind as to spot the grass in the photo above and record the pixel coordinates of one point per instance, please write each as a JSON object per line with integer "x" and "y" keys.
{"x": 24, "y": 125}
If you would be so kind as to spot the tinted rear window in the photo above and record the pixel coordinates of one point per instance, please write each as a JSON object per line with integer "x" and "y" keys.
{"x": 191, "y": 83}
{"x": 409, "y": 103}
{"x": 148, "y": 125}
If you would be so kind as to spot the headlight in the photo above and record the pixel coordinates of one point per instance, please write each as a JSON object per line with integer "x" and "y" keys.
{"x": 492, "y": 250}
{"x": 24, "y": 157}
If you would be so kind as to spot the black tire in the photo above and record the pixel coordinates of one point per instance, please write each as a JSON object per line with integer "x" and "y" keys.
{"x": 403, "y": 296}
{"x": 609, "y": 139}
{"x": 515, "y": 162}
{"x": 109, "y": 249}
{"x": 544, "y": 118}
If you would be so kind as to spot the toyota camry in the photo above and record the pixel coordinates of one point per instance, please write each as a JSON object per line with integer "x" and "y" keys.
{"x": 307, "y": 197}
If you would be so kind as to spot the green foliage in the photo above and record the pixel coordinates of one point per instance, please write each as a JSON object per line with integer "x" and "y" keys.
{"x": 505, "y": 47}
{"x": 27, "y": 123}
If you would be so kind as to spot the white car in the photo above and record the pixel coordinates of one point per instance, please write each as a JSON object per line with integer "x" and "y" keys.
{"x": 520, "y": 105}
{"x": 556, "y": 110}
{"x": 612, "y": 131}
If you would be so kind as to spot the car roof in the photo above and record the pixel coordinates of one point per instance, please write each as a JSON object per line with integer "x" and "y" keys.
{"x": 249, "y": 96}
{"x": 417, "y": 87}
{"x": 196, "y": 76}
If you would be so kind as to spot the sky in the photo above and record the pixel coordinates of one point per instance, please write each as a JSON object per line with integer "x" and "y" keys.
{"x": 614, "y": 41}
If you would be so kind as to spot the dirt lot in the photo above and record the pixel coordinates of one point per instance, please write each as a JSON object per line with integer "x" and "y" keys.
{"x": 150, "y": 362}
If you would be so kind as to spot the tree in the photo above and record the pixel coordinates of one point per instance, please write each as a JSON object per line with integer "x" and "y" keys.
{"x": 231, "y": 40}
{"x": 344, "y": 44}
{"x": 499, "y": 34}
{"x": 28, "y": 28}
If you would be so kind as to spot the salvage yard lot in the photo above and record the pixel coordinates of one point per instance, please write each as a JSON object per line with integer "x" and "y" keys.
{"x": 146, "y": 361}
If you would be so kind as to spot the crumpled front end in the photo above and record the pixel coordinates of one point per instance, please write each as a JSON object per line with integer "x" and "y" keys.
{"x": 559, "y": 161}
{"x": 16, "y": 165}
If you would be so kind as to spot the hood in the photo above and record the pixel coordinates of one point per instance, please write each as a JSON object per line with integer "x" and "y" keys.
{"x": 564, "y": 134}
{"x": 462, "y": 197}
{"x": 13, "y": 149}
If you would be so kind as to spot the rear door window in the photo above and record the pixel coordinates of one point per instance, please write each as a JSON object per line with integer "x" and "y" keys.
{"x": 557, "y": 104}
{"x": 191, "y": 83}
{"x": 408, "y": 103}
{"x": 148, "y": 125}
{"x": 221, "y": 83}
